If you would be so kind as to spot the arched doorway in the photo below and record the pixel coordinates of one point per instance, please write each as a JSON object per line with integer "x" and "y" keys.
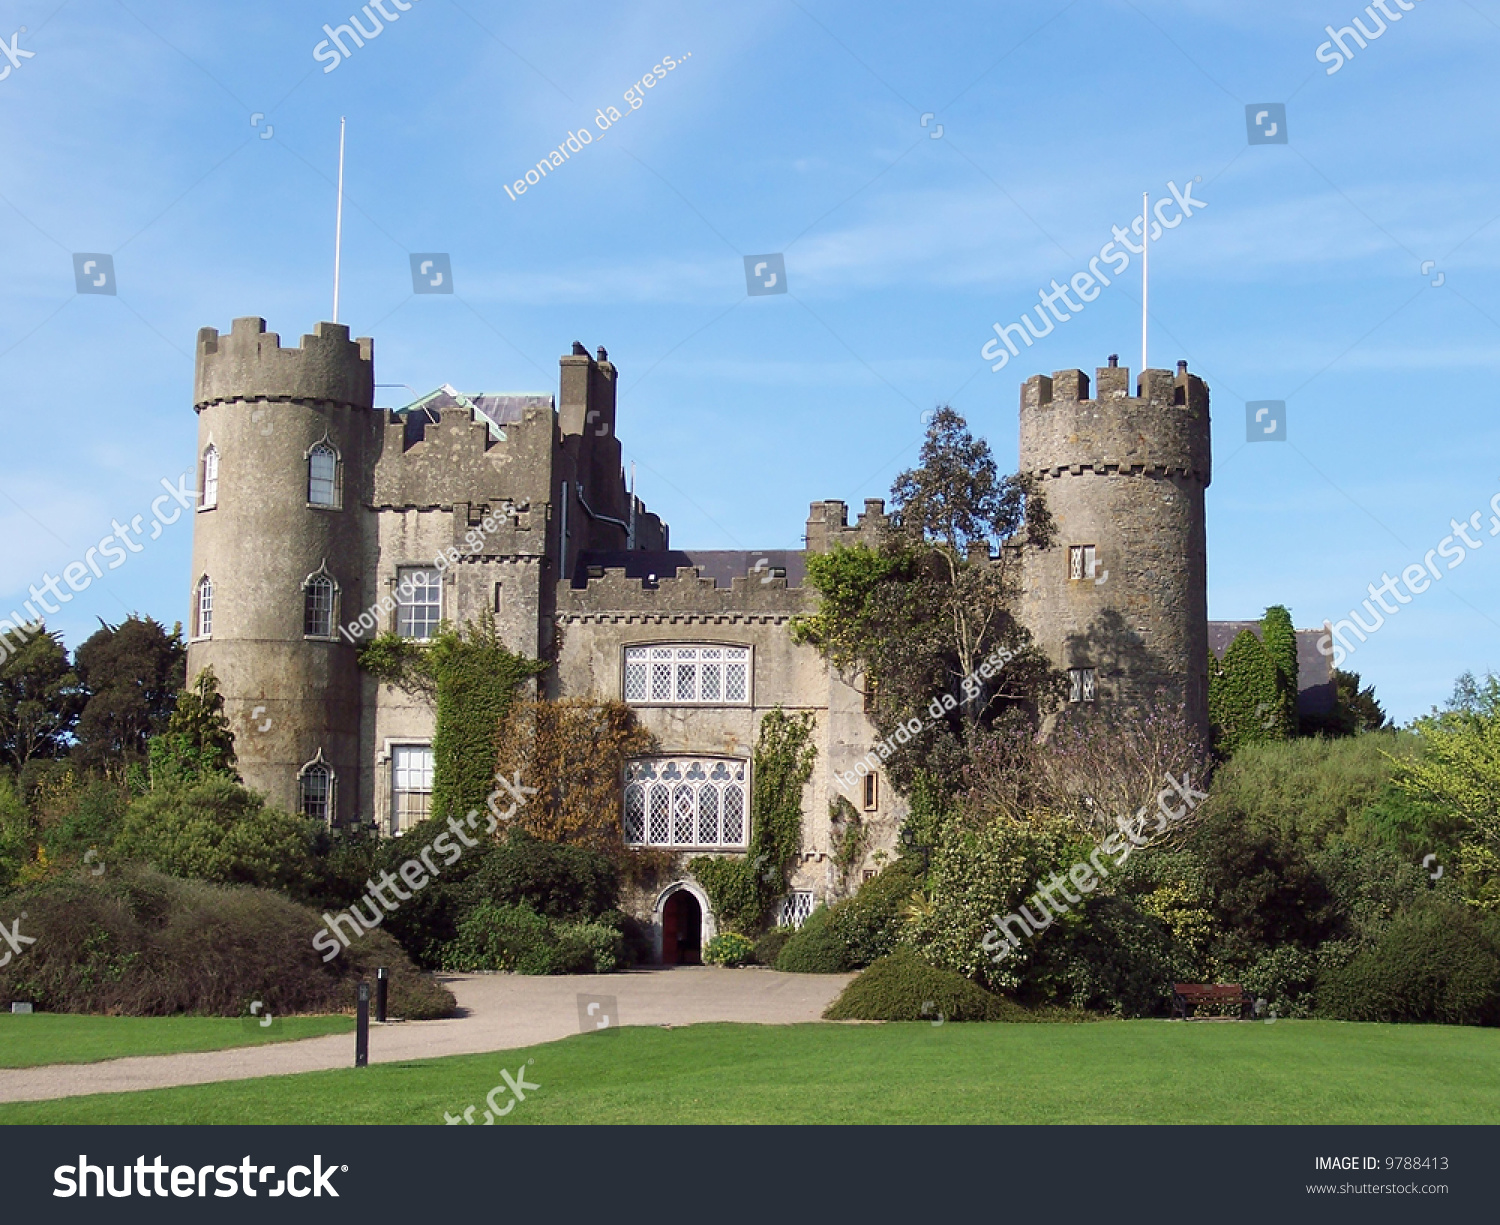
{"x": 681, "y": 930}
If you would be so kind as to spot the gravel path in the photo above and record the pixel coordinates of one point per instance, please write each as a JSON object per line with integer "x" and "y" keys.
{"x": 497, "y": 1012}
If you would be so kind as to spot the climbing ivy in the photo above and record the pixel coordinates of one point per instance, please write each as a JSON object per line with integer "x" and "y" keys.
{"x": 1280, "y": 640}
{"x": 741, "y": 891}
{"x": 1244, "y": 697}
{"x": 471, "y": 678}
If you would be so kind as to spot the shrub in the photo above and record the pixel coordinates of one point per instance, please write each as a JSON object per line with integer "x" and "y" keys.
{"x": 138, "y": 943}
{"x": 493, "y": 936}
{"x": 216, "y": 830}
{"x": 729, "y": 949}
{"x": 1285, "y": 978}
{"x": 1438, "y": 961}
{"x": 555, "y": 880}
{"x": 1115, "y": 959}
{"x": 869, "y": 923}
{"x": 589, "y": 948}
{"x": 815, "y": 948}
{"x": 768, "y": 947}
{"x": 903, "y": 987}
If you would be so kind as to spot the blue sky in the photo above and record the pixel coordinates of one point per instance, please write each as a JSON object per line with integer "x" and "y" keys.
{"x": 794, "y": 128}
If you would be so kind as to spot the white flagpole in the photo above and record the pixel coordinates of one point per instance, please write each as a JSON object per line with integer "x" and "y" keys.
{"x": 1145, "y": 267}
{"x": 338, "y": 231}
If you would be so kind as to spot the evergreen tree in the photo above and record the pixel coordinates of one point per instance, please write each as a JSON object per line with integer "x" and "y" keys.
{"x": 1280, "y": 640}
{"x": 198, "y": 742}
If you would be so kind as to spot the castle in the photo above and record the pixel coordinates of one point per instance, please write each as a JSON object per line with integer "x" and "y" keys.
{"x": 324, "y": 520}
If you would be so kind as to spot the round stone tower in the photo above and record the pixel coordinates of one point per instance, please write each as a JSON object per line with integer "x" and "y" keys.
{"x": 1119, "y": 598}
{"x": 286, "y": 442}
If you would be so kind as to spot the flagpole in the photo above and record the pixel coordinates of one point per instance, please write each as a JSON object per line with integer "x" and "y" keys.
{"x": 338, "y": 230}
{"x": 1145, "y": 270}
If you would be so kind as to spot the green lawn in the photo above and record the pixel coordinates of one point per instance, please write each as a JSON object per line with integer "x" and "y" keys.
{"x": 1112, "y": 1072}
{"x": 50, "y": 1037}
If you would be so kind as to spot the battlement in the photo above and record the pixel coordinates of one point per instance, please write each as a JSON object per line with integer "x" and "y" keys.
{"x": 683, "y": 594}
{"x": 1162, "y": 428}
{"x": 250, "y": 364}
{"x": 828, "y": 525}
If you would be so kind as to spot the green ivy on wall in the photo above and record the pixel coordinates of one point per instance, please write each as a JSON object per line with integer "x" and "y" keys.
{"x": 471, "y": 678}
{"x": 1252, "y": 691}
{"x": 741, "y": 891}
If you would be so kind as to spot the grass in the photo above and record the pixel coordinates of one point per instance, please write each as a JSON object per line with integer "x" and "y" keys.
{"x": 47, "y": 1037}
{"x": 1111, "y": 1072}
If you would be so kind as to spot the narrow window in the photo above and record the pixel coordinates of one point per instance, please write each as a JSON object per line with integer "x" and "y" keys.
{"x": 317, "y": 792}
{"x": 322, "y": 475}
{"x": 205, "y": 608}
{"x": 210, "y": 479}
{"x": 1081, "y": 561}
{"x": 872, "y": 792}
{"x": 419, "y": 603}
{"x": 317, "y": 607}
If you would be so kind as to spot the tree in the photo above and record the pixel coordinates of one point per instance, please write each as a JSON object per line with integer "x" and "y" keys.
{"x": 38, "y": 699}
{"x": 130, "y": 674}
{"x": 1460, "y": 763}
{"x": 198, "y": 741}
{"x": 916, "y": 614}
{"x": 1358, "y": 711}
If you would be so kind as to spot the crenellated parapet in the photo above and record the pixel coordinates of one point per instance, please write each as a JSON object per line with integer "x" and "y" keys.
{"x": 1161, "y": 430}
{"x": 828, "y": 525}
{"x": 250, "y": 364}
{"x": 686, "y": 594}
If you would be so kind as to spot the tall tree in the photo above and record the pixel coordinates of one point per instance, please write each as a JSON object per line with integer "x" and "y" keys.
{"x": 131, "y": 674}
{"x": 39, "y": 699}
{"x": 1459, "y": 766}
{"x": 918, "y": 613}
{"x": 198, "y": 742}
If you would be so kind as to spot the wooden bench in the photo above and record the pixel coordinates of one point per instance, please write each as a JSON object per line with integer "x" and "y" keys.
{"x": 1188, "y": 997}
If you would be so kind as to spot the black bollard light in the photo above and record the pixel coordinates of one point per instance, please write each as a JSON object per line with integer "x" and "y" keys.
{"x": 362, "y": 1028}
{"x": 382, "y": 981}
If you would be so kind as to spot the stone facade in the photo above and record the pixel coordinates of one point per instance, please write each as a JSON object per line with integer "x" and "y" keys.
{"x": 574, "y": 570}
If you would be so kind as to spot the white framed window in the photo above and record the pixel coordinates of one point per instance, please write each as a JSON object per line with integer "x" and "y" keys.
{"x": 687, "y": 802}
{"x": 411, "y": 785}
{"x": 1082, "y": 685}
{"x": 203, "y": 611}
{"x": 1082, "y": 561}
{"x": 419, "y": 602}
{"x": 210, "y": 482}
{"x": 323, "y": 476}
{"x": 315, "y": 790}
{"x": 695, "y": 675}
{"x": 318, "y": 595}
{"x": 795, "y": 908}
